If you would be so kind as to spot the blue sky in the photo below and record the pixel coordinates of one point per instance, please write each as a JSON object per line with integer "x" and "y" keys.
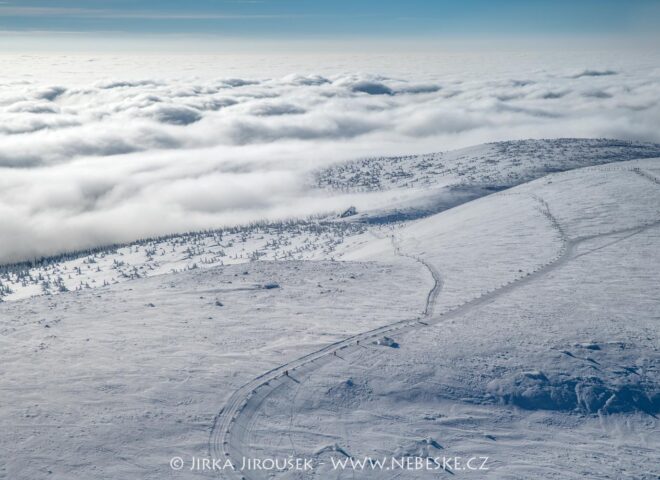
{"x": 298, "y": 20}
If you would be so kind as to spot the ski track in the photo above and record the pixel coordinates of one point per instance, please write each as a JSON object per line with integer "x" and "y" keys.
{"x": 233, "y": 424}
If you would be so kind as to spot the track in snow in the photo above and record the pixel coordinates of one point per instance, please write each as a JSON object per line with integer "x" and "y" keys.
{"x": 232, "y": 426}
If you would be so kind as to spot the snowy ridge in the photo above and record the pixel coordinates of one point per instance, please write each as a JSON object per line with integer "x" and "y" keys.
{"x": 439, "y": 182}
{"x": 495, "y": 165}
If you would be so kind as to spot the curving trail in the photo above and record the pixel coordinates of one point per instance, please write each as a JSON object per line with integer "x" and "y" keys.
{"x": 227, "y": 428}
{"x": 233, "y": 425}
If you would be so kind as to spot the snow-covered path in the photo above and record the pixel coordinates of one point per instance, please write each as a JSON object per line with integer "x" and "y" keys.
{"x": 233, "y": 428}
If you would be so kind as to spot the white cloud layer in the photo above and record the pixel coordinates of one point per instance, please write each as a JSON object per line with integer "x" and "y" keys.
{"x": 112, "y": 160}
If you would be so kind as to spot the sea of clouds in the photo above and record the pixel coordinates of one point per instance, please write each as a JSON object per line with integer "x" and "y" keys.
{"x": 112, "y": 158}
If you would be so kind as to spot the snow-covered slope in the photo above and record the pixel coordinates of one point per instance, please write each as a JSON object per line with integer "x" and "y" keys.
{"x": 520, "y": 326}
{"x": 112, "y": 383}
{"x": 295, "y": 240}
{"x": 495, "y": 165}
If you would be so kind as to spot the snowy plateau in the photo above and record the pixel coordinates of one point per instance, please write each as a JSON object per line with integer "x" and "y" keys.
{"x": 498, "y": 302}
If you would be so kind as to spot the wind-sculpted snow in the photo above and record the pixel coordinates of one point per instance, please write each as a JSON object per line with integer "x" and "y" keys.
{"x": 111, "y": 159}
